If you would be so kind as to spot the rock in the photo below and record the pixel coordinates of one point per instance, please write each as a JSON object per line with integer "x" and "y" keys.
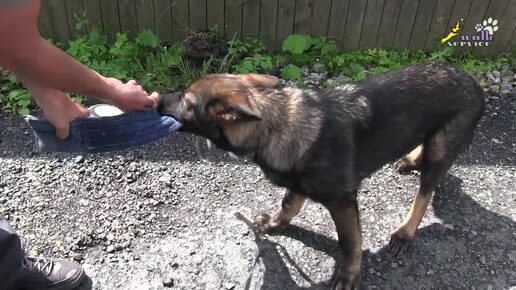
{"x": 229, "y": 285}
{"x": 305, "y": 70}
{"x": 506, "y": 88}
{"x": 78, "y": 257}
{"x": 110, "y": 237}
{"x": 484, "y": 82}
{"x": 110, "y": 249}
{"x": 493, "y": 76}
{"x": 168, "y": 282}
{"x": 79, "y": 159}
{"x": 494, "y": 88}
{"x": 165, "y": 178}
{"x": 319, "y": 67}
{"x": 342, "y": 79}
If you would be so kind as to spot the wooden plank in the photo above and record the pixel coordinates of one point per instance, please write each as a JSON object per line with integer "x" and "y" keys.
{"x": 233, "y": 18}
{"x": 268, "y": 21}
{"x": 354, "y": 23}
{"x": 57, "y": 13}
{"x": 215, "y": 15}
{"x": 128, "y": 18}
{"x": 439, "y": 25}
{"x": 285, "y": 22}
{"x": 180, "y": 20}
{"x": 303, "y": 16}
{"x": 459, "y": 13}
{"x": 110, "y": 16}
{"x": 390, "y": 17}
{"x": 512, "y": 43}
{"x": 495, "y": 10}
{"x": 476, "y": 15}
{"x": 145, "y": 15}
{"x": 44, "y": 24}
{"x": 320, "y": 18}
{"x": 73, "y": 8}
{"x": 406, "y": 23}
{"x": 506, "y": 26}
{"x": 163, "y": 19}
{"x": 424, "y": 17}
{"x": 197, "y": 10}
{"x": 251, "y": 14}
{"x": 93, "y": 13}
{"x": 371, "y": 26}
{"x": 337, "y": 22}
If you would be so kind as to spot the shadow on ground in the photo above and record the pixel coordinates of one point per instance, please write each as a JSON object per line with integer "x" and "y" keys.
{"x": 472, "y": 248}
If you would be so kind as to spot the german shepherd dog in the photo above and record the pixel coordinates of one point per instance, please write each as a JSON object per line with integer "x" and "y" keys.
{"x": 321, "y": 144}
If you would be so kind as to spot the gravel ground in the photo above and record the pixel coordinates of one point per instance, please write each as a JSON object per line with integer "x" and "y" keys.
{"x": 158, "y": 217}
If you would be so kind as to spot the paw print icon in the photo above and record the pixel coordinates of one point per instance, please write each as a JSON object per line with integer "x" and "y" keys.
{"x": 489, "y": 25}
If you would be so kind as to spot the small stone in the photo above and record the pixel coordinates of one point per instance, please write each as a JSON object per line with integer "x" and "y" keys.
{"x": 229, "y": 285}
{"x": 482, "y": 260}
{"x": 78, "y": 257}
{"x": 305, "y": 70}
{"x": 430, "y": 272}
{"x": 79, "y": 159}
{"x": 168, "y": 282}
{"x": 164, "y": 178}
{"x": 494, "y": 88}
{"x": 484, "y": 83}
{"x": 110, "y": 237}
{"x": 110, "y": 249}
{"x": 319, "y": 67}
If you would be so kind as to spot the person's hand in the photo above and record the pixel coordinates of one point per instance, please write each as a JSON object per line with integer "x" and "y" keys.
{"x": 130, "y": 96}
{"x": 60, "y": 110}
{"x": 57, "y": 107}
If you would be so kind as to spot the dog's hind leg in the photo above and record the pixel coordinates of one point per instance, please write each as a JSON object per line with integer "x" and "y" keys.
{"x": 411, "y": 161}
{"x": 440, "y": 150}
{"x": 290, "y": 207}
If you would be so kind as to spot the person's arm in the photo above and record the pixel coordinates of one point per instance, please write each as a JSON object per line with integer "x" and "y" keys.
{"x": 30, "y": 57}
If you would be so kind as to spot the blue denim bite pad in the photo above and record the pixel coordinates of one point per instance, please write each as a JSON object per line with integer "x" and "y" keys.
{"x": 103, "y": 134}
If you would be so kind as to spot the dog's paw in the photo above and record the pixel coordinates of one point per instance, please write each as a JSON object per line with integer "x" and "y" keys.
{"x": 267, "y": 223}
{"x": 346, "y": 282}
{"x": 399, "y": 242}
{"x": 405, "y": 166}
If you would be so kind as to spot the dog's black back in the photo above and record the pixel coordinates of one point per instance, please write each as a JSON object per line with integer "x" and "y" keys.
{"x": 374, "y": 122}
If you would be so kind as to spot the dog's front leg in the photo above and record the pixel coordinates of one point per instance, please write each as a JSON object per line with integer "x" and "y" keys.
{"x": 345, "y": 216}
{"x": 290, "y": 207}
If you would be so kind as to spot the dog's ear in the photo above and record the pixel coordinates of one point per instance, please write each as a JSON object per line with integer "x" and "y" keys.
{"x": 234, "y": 107}
{"x": 259, "y": 80}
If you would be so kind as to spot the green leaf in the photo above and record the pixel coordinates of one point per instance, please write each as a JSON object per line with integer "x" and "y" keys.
{"x": 23, "y": 111}
{"x": 147, "y": 39}
{"x": 296, "y": 44}
{"x": 329, "y": 49}
{"x": 292, "y": 73}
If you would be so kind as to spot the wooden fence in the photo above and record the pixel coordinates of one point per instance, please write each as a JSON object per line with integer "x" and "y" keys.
{"x": 355, "y": 24}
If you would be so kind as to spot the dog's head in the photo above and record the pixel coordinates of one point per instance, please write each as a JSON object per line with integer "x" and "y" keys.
{"x": 219, "y": 107}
